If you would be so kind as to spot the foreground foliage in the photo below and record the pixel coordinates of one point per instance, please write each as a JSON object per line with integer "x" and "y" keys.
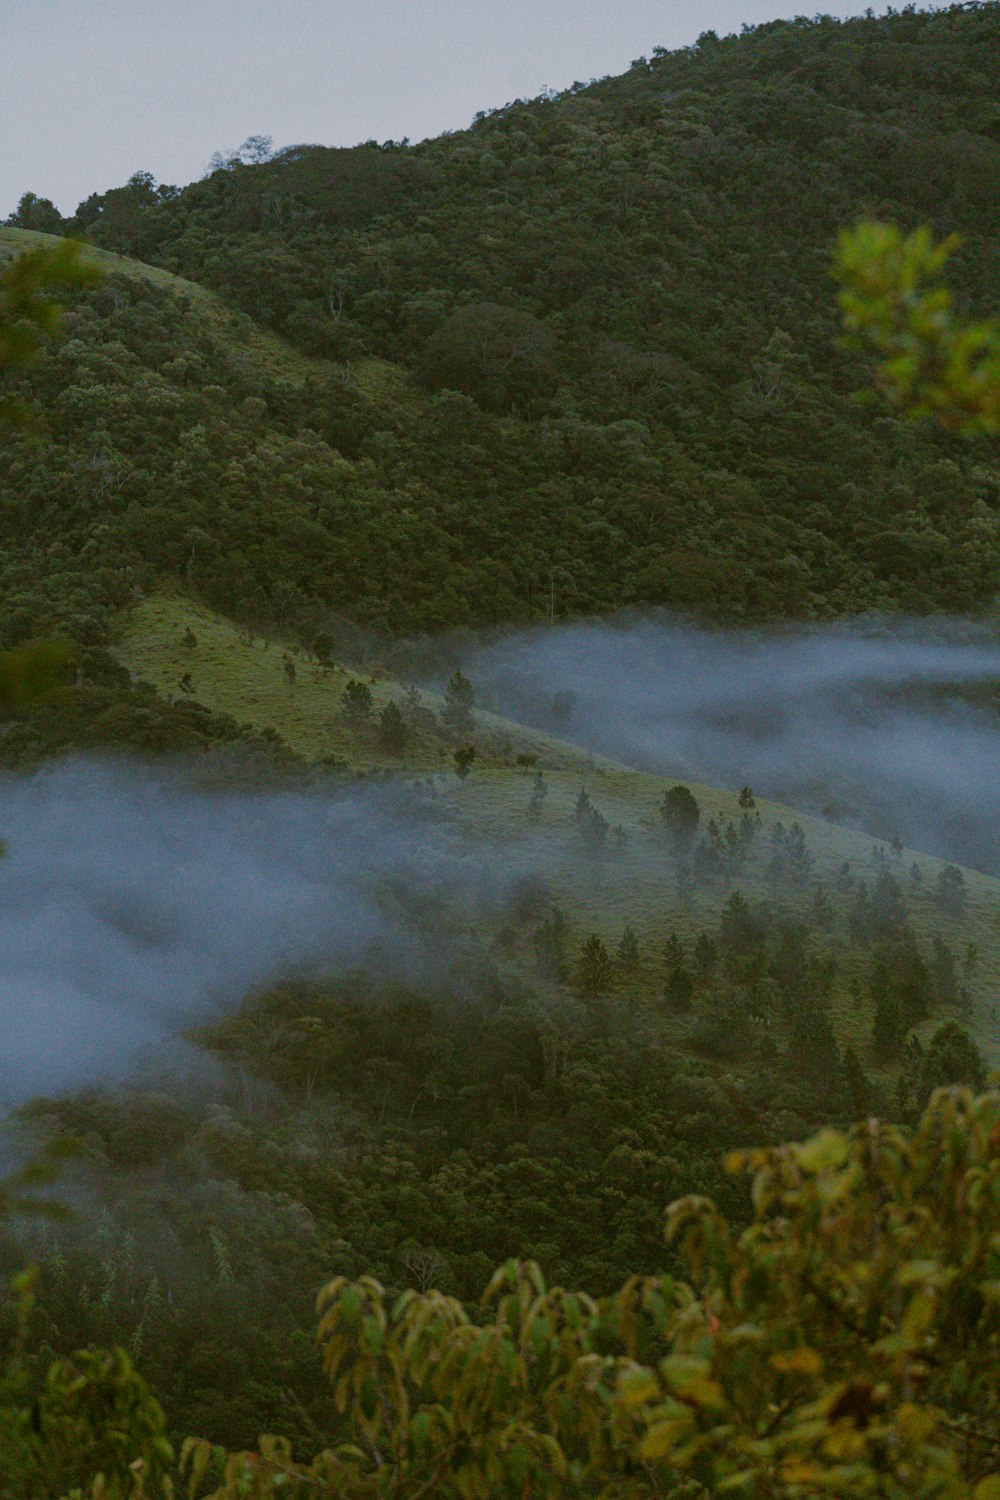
{"x": 930, "y": 362}
{"x": 28, "y": 311}
{"x": 846, "y": 1342}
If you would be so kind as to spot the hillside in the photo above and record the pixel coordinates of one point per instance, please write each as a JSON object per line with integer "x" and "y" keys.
{"x": 513, "y": 1097}
{"x": 338, "y": 411}
{"x": 630, "y": 880}
{"x": 581, "y": 355}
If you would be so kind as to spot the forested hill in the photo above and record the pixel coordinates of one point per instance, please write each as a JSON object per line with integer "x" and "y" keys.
{"x": 581, "y": 355}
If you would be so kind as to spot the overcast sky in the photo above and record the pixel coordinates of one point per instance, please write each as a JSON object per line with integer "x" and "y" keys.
{"x": 94, "y": 90}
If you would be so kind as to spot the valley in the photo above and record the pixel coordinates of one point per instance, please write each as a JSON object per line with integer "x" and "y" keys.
{"x": 499, "y": 677}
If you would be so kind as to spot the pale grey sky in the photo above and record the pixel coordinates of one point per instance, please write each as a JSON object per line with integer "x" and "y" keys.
{"x": 94, "y": 90}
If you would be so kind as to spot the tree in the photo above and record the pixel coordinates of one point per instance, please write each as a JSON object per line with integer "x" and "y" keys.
{"x": 539, "y": 792}
{"x": 459, "y": 698}
{"x": 28, "y": 314}
{"x": 36, "y": 213}
{"x": 628, "y": 952}
{"x": 928, "y": 362}
{"x": 393, "y": 731}
{"x": 357, "y": 703}
{"x": 500, "y": 356}
{"x": 858, "y": 1087}
{"x": 706, "y": 956}
{"x": 680, "y": 815}
{"x": 678, "y": 987}
{"x": 845, "y": 1343}
{"x": 594, "y": 970}
{"x": 255, "y": 150}
{"x": 323, "y": 648}
{"x": 950, "y": 893}
{"x": 463, "y": 758}
{"x": 887, "y": 1027}
{"x": 594, "y": 830}
{"x": 950, "y": 1057}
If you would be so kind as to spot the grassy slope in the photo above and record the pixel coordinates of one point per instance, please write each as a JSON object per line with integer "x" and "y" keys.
{"x": 237, "y": 674}
{"x": 267, "y": 352}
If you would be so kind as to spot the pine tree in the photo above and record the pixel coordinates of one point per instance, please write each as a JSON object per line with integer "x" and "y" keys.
{"x": 539, "y": 792}
{"x": 628, "y": 952}
{"x": 706, "y": 956}
{"x": 887, "y": 1028}
{"x": 680, "y": 816}
{"x": 950, "y": 893}
{"x": 459, "y": 698}
{"x": 594, "y": 830}
{"x": 858, "y": 1088}
{"x": 594, "y": 969}
{"x": 393, "y": 731}
{"x": 357, "y": 702}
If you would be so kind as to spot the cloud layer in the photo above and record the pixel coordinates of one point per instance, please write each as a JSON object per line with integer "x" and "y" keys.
{"x": 867, "y": 725}
{"x": 132, "y": 906}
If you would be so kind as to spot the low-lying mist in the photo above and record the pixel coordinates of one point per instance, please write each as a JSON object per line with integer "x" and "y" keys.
{"x": 865, "y": 724}
{"x": 133, "y": 905}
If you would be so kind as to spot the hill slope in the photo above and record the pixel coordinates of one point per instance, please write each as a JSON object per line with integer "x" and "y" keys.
{"x": 628, "y": 878}
{"x": 608, "y": 363}
{"x": 516, "y": 1102}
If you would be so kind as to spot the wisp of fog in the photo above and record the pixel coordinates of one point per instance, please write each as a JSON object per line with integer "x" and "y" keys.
{"x": 133, "y": 905}
{"x": 866, "y": 724}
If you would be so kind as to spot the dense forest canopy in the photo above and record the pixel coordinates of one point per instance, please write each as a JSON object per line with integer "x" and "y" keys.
{"x": 581, "y": 355}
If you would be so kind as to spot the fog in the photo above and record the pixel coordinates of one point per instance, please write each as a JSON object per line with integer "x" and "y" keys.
{"x": 133, "y": 905}
{"x": 865, "y": 723}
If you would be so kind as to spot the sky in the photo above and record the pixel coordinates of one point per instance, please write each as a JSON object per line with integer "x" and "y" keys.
{"x": 94, "y": 90}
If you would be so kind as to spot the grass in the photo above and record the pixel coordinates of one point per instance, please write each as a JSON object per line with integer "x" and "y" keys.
{"x": 233, "y": 671}
{"x": 246, "y": 341}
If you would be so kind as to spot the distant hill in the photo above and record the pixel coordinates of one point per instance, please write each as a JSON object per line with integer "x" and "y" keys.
{"x": 583, "y": 354}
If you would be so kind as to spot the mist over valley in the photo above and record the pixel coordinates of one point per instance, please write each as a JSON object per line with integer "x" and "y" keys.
{"x": 499, "y": 799}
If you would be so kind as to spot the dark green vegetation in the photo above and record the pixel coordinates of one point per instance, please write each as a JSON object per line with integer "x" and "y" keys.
{"x": 612, "y": 368}
{"x": 580, "y": 356}
{"x": 696, "y": 969}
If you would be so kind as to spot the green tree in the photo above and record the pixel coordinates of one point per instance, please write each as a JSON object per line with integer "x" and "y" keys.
{"x": 28, "y": 313}
{"x": 36, "y": 213}
{"x": 463, "y": 759}
{"x": 393, "y": 731}
{"x": 950, "y": 892}
{"x": 808, "y": 1354}
{"x": 539, "y": 792}
{"x": 460, "y": 699}
{"x": 356, "y": 703}
{"x": 950, "y": 1057}
{"x": 594, "y": 969}
{"x": 628, "y": 951}
{"x": 680, "y": 816}
{"x": 323, "y": 648}
{"x": 500, "y": 356}
{"x": 928, "y": 361}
